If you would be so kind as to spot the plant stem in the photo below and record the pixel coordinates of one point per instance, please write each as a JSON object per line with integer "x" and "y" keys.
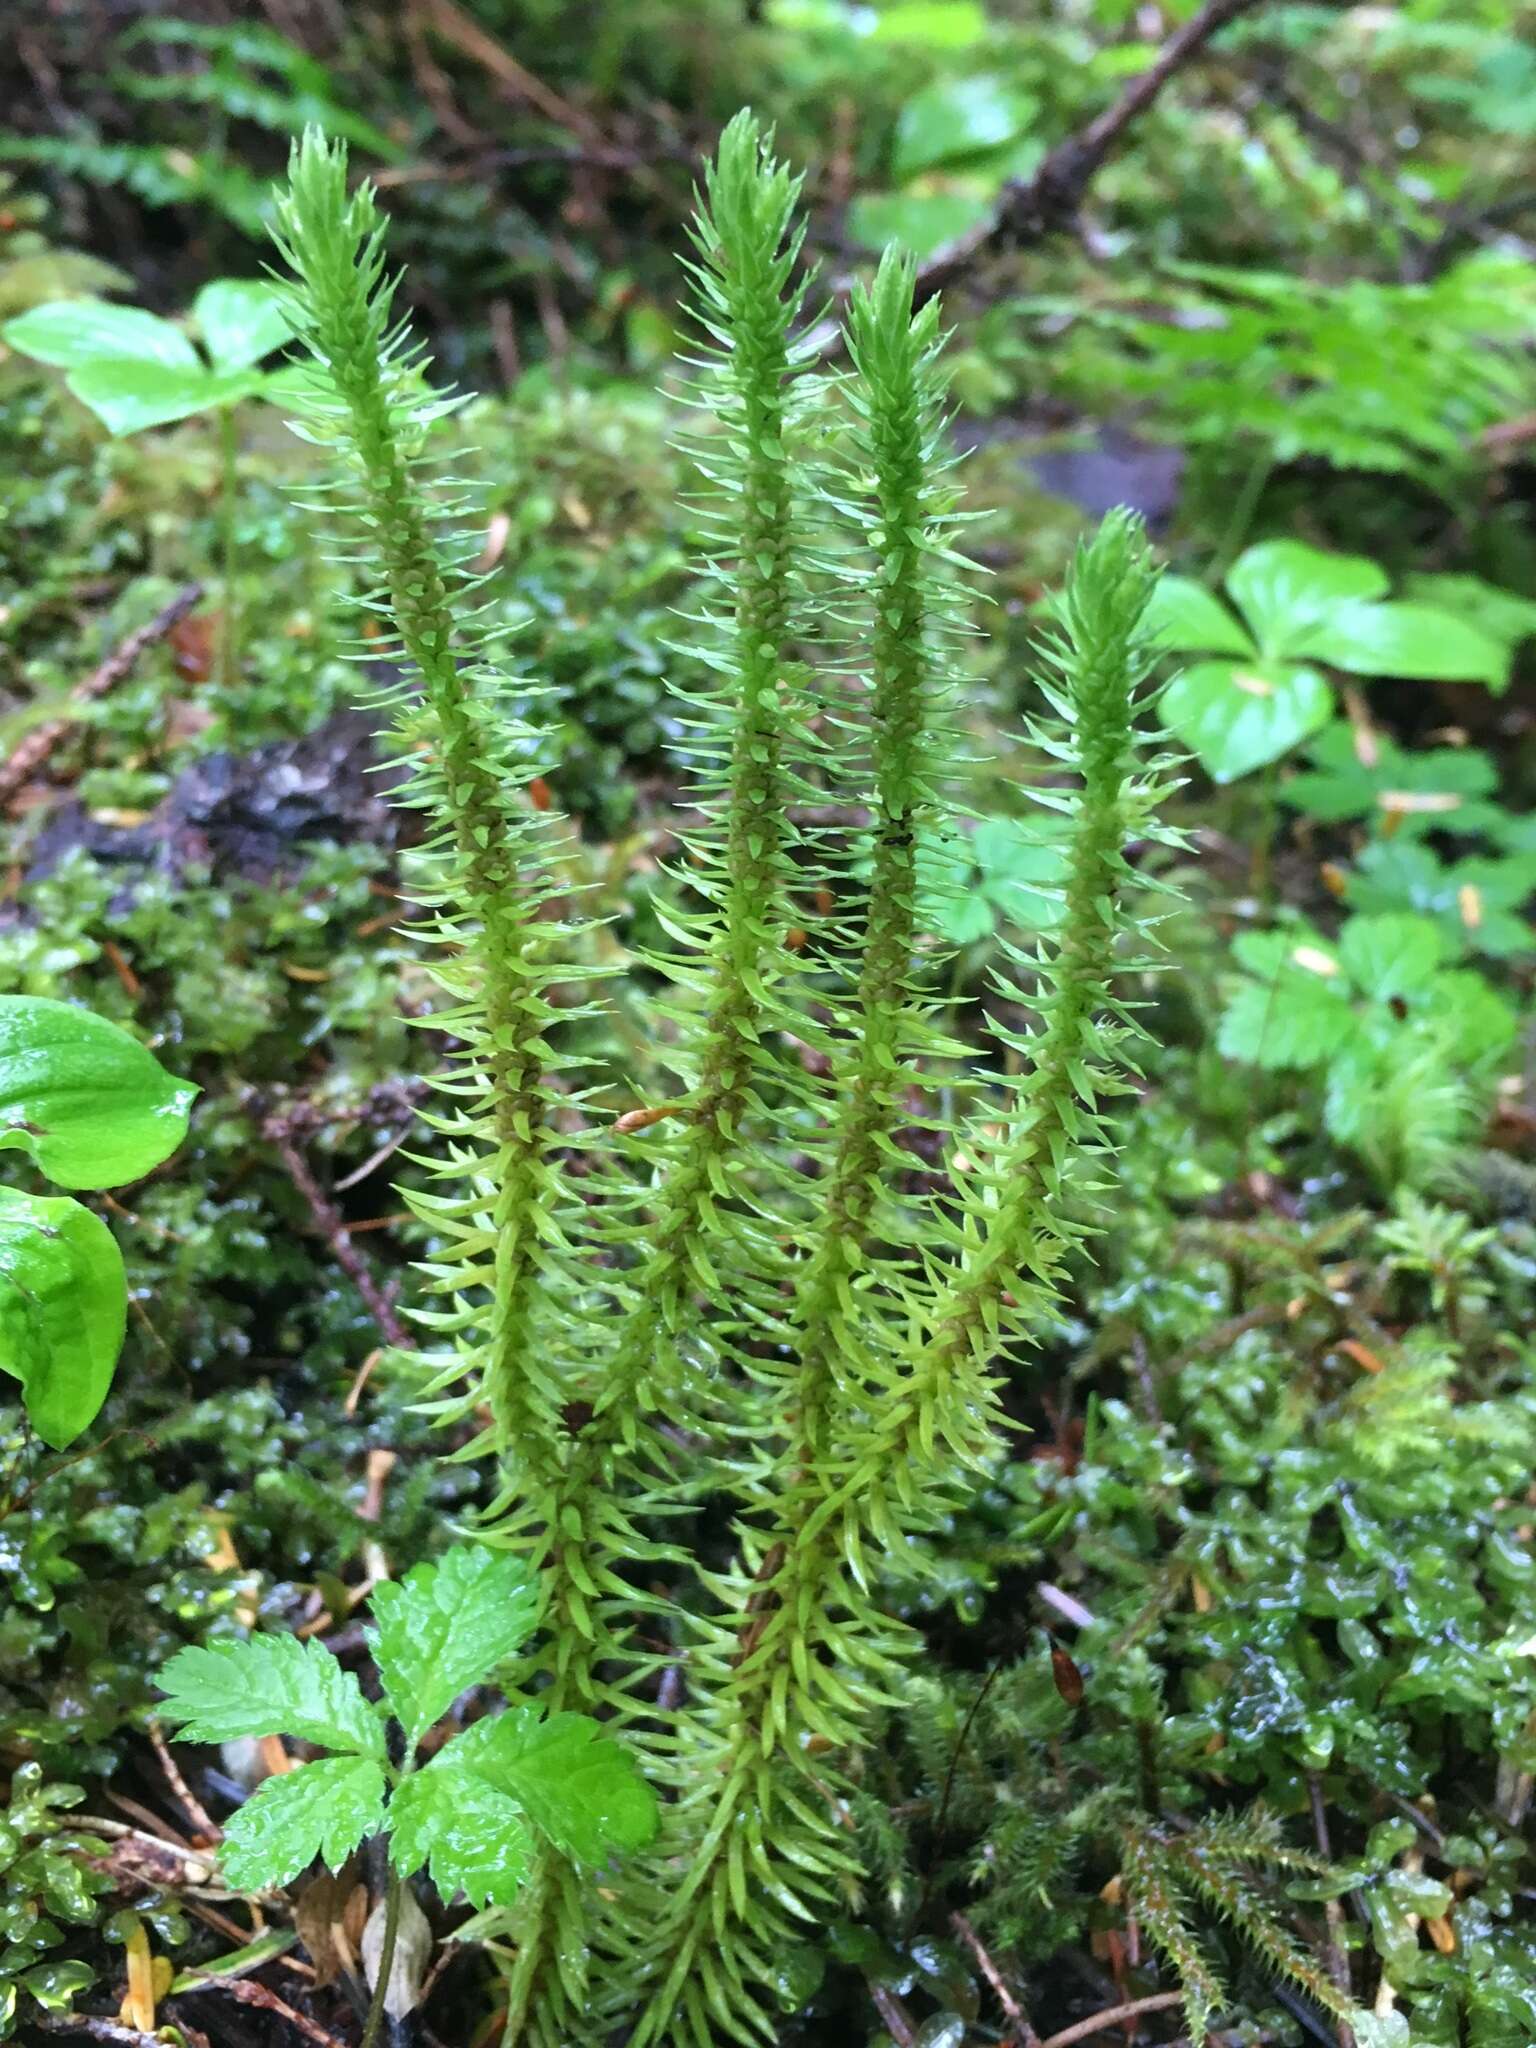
{"x": 393, "y": 1897}
{"x": 229, "y": 638}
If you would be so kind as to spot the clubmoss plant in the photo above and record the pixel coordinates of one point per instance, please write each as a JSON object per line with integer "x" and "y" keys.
{"x": 751, "y": 1262}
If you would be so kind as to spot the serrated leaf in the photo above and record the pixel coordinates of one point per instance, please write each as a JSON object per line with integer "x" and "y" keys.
{"x": 72, "y": 332}
{"x": 579, "y": 1787}
{"x": 63, "y": 1310}
{"x": 1432, "y": 789}
{"x": 321, "y": 1809}
{"x": 269, "y": 1685}
{"x": 1235, "y": 716}
{"x": 1390, "y": 955}
{"x": 1282, "y": 587}
{"x": 85, "y": 1099}
{"x": 471, "y": 1836}
{"x": 446, "y": 1626}
{"x": 1184, "y": 618}
{"x": 241, "y": 320}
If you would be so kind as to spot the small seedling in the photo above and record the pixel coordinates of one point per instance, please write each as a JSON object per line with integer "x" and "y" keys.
{"x": 94, "y": 1110}
{"x": 134, "y": 370}
{"x": 474, "y": 1814}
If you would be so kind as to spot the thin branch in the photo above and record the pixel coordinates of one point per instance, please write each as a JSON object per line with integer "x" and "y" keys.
{"x": 1081, "y": 2030}
{"x": 34, "y": 751}
{"x": 1034, "y": 208}
{"x": 1024, "y": 2035}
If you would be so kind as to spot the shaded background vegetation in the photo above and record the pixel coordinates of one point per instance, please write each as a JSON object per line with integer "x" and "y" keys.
{"x": 1269, "y": 1537}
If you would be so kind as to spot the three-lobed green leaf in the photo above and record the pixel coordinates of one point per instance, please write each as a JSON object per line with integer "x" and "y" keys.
{"x": 447, "y": 1626}
{"x": 320, "y": 1809}
{"x": 474, "y": 1812}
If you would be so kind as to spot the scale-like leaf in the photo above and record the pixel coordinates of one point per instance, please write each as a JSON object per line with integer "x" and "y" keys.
{"x": 321, "y": 1809}
{"x": 448, "y": 1625}
{"x": 63, "y": 1307}
{"x": 91, "y": 1106}
{"x": 269, "y": 1685}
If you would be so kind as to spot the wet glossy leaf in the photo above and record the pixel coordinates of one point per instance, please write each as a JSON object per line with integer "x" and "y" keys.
{"x": 321, "y": 1809}
{"x": 268, "y": 1685}
{"x": 1185, "y": 618}
{"x": 63, "y": 1309}
{"x": 1283, "y": 586}
{"x": 446, "y": 1626}
{"x": 471, "y": 1836}
{"x": 1404, "y": 640}
{"x": 85, "y": 1099}
{"x": 578, "y": 1786}
{"x": 127, "y": 397}
{"x": 957, "y": 119}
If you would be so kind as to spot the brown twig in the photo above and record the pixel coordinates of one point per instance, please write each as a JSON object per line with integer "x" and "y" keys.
{"x": 191, "y": 1805}
{"x": 898, "y": 2021}
{"x": 249, "y": 1992}
{"x": 1112, "y": 2015}
{"x": 1024, "y": 2035}
{"x": 111, "y": 2031}
{"x": 33, "y": 752}
{"x": 1031, "y": 209}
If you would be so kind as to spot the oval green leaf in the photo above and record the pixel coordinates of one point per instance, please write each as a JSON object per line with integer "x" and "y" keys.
{"x": 128, "y": 397}
{"x": 91, "y": 1106}
{"x": 1184, "y": 618}
{"x": 63, "y": 1309}
{"x": 241, "y": 320}
{"x": 1283, "y": 586}
{"x": 1412, "y": 640}
{"x": 72, "y": 332}
{"x": 1235, "y": 716}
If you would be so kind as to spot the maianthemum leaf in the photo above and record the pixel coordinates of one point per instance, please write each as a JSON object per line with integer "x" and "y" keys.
{"x": 321, "y": 1809}
{"x": 72, "y": 332}
{"x": 86, "y": 1100}
{"x": 1236, "y": 716}
{"x": 1412, "y": 640}
{"x": 269, "y": 1685}
{"x": 1282, "y": 587}
{"x": 446, "y": 1626}
{"x": 63, "y": 1308}
{"x": 1184, "y": 618}
{"x": 128, "y": 396}
{"x": 241, "y": 320}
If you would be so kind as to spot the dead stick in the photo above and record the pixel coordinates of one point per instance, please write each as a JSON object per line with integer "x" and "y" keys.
{"x": 328, "y": 1223}
{"x": 191, "y": 1805}
{"x": 35, "y": 749}
{"x": 1024, "y": 2035}
{"x": 1033, "y": 208}
{"x": 249, "y": 1992}
{"x": 1111, "y": 2017}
